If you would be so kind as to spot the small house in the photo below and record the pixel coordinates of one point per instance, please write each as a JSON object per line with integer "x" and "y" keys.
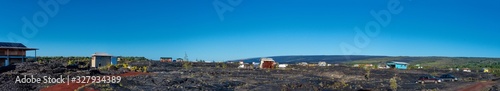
{"x": 322, "y": 63}
{"x": 267, "y": 63}
{"x": 420, "y": 66}
{"x": 179, "y": 60}
{"x": 242, "y": 64}
{"x": 13, "y": 53}
{"x": 382, "y": 66}
{"x": 283, "y": 65}
{"x": 398, "y": 65}
{"x": 312, "y": 65}
{"x": 355, "y": 65}
{"x": 255, "y": 64}
{"x": 302, "y": 63}
{"x": 467, "y": 70}
{"x": 366, "y": 66}
{"x": 166, "y": 59}
{"x": 103, "y": 59}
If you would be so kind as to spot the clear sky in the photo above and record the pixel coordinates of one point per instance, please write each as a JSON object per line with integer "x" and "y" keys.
{"x": 254, "y": 28}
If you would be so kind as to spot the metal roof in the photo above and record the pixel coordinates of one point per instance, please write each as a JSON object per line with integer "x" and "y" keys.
{"x": 266, "y": 59}
{"x": 11, "y": 45}
{"x": 394, "y": 62}
{"x": 8, "y": 44}
{"x": 165, "y": 57}
{"x": 100, "y": 54}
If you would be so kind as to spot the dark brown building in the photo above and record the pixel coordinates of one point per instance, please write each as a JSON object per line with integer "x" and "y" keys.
{"x": 13, "y": 53}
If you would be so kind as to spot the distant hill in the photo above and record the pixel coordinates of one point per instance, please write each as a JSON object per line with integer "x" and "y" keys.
{"x": 313, "y": 58}
{"x": 430, "y": 61}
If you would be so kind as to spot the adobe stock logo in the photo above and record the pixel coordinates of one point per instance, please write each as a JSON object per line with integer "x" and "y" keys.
{"x": 371, "y": 29}
{"x": 40, "y": 19}
{"x": 221, "y": 7}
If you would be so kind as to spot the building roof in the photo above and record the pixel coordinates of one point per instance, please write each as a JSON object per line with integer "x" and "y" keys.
{"x": 165, "y": 57}
{"x": 393, "y": 62}
{"x": 11, "y": 45}
{"x": 100, "y": 54}
{"x": 266, "y": 59}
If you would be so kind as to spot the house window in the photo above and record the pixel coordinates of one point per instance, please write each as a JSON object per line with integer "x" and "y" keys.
{"x": 2, "y": 52}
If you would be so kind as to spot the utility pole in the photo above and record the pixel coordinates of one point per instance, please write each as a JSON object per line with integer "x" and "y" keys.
{"x": 186, "y": 56}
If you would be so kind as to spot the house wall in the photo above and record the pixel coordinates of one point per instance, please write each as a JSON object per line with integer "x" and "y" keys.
{"x": 114, "y": 60}
{"x": 98, "y": 61}
{"x": 12, "y": 52}
{"x": 93, "y": 62}
{"x": 401, "y": 66}
{"x": 267, "y": 64}
{"x": 166, "y": 60}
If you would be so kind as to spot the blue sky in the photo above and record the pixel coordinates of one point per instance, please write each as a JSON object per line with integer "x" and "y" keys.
{"x": 255, "y": 28}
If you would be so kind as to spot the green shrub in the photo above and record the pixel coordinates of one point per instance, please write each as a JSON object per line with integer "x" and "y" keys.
{"x": 434, "y": 73}
{"x": 340, "y": 84}
{"x": 187, "y": 65}
{"x": 223, "y": 65}
{"x": 112, "y": 67}
{"x": 393, "y": 84}
{"x": 125, "y": 65}
{"x": 40, "y": 61}
{"x": 133, "y": 68}
{"x": 139, "y": 69}
{"x": 71, "y": 62}
{"x": 367, "y": 75}
{"x": 145, "y": 69}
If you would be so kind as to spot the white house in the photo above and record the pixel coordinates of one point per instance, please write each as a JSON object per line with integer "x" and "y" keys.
{"x": 255, "y": 64}
{"x": 102, "y": 59}
{"x": 242, "y": 64}
{"x": 283, "y": 65}
{"x": 355, "y": 65}
{"x": 322, "y": 63}
{"x": 302, "y": 63}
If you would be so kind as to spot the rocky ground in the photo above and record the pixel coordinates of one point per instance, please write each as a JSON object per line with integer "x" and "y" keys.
{"x": 212, "y": 76}
{"x": 55, "y": 69}
{"x": 167, "y": 76}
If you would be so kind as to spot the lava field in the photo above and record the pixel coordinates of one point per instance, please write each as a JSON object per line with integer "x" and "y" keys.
{"x": 212, "y": 77}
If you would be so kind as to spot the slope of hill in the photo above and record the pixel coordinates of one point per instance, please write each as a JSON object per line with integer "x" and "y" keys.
{"x": 431, "y": 61}
{"x": 314, "y": 58}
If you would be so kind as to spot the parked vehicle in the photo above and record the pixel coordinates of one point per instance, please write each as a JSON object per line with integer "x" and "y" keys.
{"x": 429, "y": 79}
{"x": 448, "y": 77}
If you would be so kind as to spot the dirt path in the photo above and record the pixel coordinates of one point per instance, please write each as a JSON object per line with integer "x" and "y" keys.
{"x": 74, "y": 86}
{"x": 479, "y": 86}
